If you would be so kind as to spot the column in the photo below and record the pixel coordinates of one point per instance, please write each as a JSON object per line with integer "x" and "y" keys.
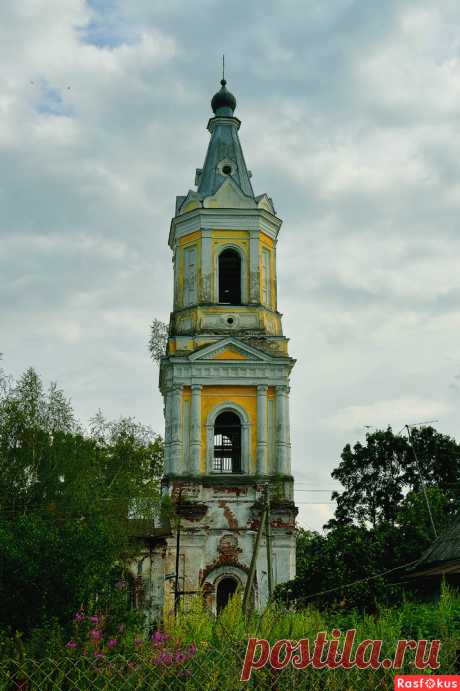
{"x": 288, "y": 431}
{"x": 178, "y": 299}
{"x": 254, "y": 269}
{"x": 167, "y": 416}
{"x": 195, "y": 429}
{"x": 282, "y": 430}
{"x": 261, "y": 428}
{"x": 206, "y": 288}
{"x": 176, "y": 450}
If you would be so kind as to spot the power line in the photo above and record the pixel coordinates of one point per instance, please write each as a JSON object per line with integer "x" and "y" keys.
{"x": 361, "y": 580}
{"x": 425, "y": 493}
{"x": 314, "y": 490}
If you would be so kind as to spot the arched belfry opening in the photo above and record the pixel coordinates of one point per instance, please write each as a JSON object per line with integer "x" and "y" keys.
{"x": 225, "y": 589}
{"x": 227, "y": 443}
{"x": 230, "y": 277}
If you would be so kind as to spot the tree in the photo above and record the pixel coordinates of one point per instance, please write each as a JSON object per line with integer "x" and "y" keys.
{"x": 376, "y": 476}
{"x": 65, "y": 499}
{"x": 381, "y": 519}
{"x": 158, "y": 340}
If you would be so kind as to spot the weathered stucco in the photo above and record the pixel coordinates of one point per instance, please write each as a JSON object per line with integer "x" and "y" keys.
{"x": 223, "y": 358}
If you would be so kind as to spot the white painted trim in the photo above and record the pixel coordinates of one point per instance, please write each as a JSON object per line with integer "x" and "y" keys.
{"x": 224, "y": 219}
{"x": 228, "y": 341}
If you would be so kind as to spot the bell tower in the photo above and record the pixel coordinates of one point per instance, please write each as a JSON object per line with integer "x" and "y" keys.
{"x": 225, "y": 378}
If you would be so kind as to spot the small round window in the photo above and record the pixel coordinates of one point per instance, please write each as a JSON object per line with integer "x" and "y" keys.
{"x": 226, "y": 169}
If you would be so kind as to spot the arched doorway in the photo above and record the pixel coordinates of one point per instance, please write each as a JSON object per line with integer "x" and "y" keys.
{"x": 225, "y": 589}
{"x": 227, "y": 443}
{"x": 230, "y": 277}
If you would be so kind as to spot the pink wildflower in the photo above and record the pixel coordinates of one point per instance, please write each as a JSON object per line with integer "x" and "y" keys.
{"x": 180, "y": 657}
{"x": 79, "y": 616}
{"x": 71, "y": 645}
{"x": 94, "y": 619}
{"x": 98, "y": 655}
{"x": 112, "y": 643}
{"x": 192, "y": 649}
{"x": 159, "y": 637}
{"x": 95, "y": 634}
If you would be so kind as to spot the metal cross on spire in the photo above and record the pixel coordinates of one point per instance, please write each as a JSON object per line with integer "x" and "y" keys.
{"x": 223, "y": 67}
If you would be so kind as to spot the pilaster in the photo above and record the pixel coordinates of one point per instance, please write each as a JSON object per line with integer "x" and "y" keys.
{"x": 195, "y": 428}
{"x": 261, "y": 428}
{"x": 282, "y": 430}
{"x": 176, "y": 445}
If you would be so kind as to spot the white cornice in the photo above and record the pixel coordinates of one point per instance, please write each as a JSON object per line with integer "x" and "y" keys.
{"x": 224, "y": 219}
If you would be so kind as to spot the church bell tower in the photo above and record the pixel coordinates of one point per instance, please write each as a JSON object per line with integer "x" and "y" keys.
{"x": 225, "y": 379}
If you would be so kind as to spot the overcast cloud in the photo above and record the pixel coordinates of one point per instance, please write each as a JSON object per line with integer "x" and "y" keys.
{"x": 351, "y": 122}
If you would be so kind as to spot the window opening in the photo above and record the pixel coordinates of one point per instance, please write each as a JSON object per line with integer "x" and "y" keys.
{"x": 227, "y": 443}
{"x": 230, "y": 277}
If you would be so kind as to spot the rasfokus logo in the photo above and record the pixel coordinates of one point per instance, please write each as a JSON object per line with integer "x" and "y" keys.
{"x": 427, "y": 681}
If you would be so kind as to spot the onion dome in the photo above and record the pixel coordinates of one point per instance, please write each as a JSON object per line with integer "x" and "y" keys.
{"x": 223, "y": 103}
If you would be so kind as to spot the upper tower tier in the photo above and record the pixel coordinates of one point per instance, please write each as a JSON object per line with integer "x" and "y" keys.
{"x": 224, "y": 239}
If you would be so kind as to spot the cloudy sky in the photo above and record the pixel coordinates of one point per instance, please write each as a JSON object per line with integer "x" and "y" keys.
{"x": 351, "y": 122}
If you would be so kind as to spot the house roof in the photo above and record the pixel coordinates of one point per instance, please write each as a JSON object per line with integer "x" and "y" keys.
{"x": 443, "y": 556}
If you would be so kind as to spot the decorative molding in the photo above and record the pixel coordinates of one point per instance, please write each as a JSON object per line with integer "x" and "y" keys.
{"x": 224, "y": 219}
{"x": 251, "y": 353}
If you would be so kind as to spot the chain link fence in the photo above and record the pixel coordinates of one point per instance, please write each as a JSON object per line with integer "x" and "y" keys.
{"x": 208, "y": 670}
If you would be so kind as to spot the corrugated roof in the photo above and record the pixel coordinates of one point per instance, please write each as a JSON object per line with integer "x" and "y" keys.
{"x": 445, "y": 549}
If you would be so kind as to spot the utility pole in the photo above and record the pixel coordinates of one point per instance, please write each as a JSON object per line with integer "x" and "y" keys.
{"x": 422, "y": 481}
{"x": 176, "y": 579}
{"x": 268, "y": 537}
{"x": 252, "y": 568}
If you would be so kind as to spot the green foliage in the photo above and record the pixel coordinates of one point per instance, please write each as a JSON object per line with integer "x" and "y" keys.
{"x": 376, "y": 476}
{"x": 158, "y": 340}
{"x": 65, "y": 500}
{"x": 381, "y": 520}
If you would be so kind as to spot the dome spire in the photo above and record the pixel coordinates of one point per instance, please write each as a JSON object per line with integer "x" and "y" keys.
{"x": 223, "y": 103}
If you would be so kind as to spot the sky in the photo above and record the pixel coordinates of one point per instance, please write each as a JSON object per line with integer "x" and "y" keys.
{"x": 350, "y": 117}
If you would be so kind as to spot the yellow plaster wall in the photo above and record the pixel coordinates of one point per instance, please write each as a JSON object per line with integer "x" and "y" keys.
{"x": 229, "y": 354}
{"x": 244, "y": 396}
{"x": 191, "y": 237}
{"x": 229, "y": 234}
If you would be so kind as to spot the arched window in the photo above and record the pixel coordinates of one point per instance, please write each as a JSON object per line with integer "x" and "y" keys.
{"x": 230, "y": 277}
{"x": 227, "y": 443}
{"x": 225, "y": 589}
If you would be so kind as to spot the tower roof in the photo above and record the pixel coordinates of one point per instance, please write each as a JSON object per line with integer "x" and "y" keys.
{"x": 224, "y": 157}
{"x": 224, "y": 166}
